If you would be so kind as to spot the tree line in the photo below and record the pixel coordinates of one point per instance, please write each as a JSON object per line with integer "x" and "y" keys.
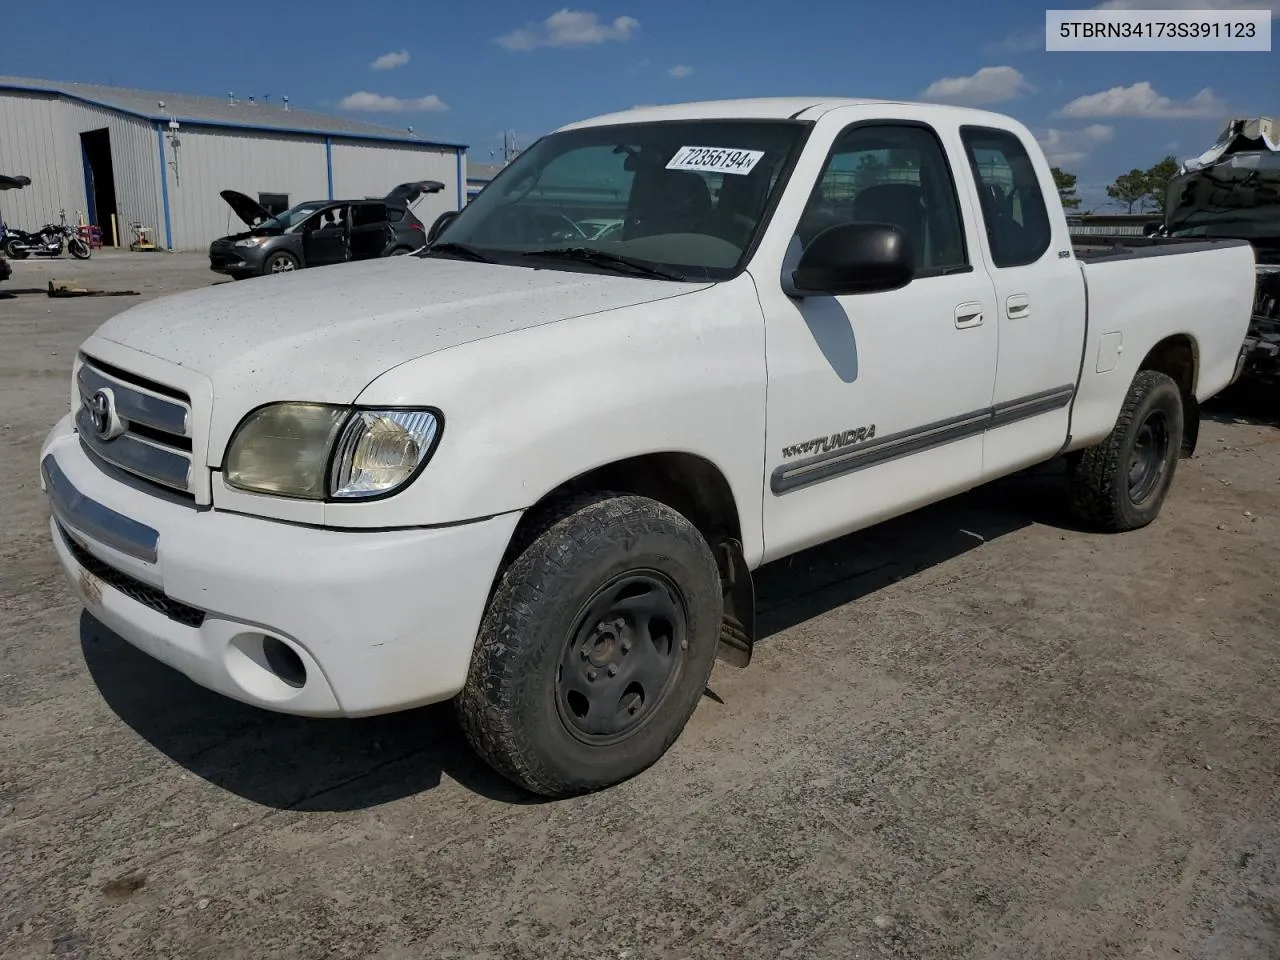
{"x": 1137, "y": 190}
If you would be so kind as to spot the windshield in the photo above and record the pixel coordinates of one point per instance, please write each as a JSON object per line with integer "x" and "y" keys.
{"x": 689, "y": 197}
{"x": 291, "y": 217}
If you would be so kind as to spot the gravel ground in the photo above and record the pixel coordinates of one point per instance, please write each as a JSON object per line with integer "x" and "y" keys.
{"x": 971, "y": 732}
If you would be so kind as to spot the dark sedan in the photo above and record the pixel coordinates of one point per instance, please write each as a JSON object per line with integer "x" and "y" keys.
{"x": 320, "y": 232}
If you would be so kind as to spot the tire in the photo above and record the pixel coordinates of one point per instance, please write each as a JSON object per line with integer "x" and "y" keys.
{"x": 14, "y": 250}
{"x": 79, "y": 249}
{"x": 280, "y": 262}
{"x": 1121, "y": 483}
{"x": 400, "y": 252}
{"x": 542, "y": 703}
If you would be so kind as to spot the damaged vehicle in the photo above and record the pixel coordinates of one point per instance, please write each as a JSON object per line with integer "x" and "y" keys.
{"x": 1232, "y": 191}
{"x": 320, "y": 232}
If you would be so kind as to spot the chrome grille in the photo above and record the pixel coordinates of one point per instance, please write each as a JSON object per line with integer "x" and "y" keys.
{"x": 138, "y": 426}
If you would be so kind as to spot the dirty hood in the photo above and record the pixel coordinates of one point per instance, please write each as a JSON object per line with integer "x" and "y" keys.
{"x": 323, "y": 335}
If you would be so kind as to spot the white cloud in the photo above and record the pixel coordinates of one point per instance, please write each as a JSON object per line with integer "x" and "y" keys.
{"x": 988, "y": 85}
{"x": 1020, "y": 41}
{"x": 1065, "y": 147}
{"x": 389, "y": 61}
{"x": 680, "y": 71}
{"x": 1142, "y": 100}
{"x": 1218, "y": 5}
{"x": 569, "y": 28}
{"x": 377, "y": 103}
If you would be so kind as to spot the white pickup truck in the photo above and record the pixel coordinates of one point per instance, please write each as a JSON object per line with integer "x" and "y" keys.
{"x": 532, "y": 467}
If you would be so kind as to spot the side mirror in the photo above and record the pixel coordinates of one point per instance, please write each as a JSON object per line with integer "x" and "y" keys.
{"x": 854, "y": 258}
{"x": 442, "y": 221}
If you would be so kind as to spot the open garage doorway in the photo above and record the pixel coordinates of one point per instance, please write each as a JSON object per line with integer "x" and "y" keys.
{"x": 99, "y": 179}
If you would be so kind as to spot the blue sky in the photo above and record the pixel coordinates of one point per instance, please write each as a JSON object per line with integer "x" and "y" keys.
{"x": 468, "y": 71}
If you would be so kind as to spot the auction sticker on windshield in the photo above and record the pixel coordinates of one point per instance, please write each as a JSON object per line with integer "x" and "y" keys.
{"x": 715, "y": 160}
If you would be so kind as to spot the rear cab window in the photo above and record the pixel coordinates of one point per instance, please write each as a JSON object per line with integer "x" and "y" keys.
{"x": 1012, "y": 204}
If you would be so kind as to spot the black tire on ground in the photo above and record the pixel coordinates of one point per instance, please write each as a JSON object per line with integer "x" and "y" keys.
{"x": 13, "y": 249}
{"x": 596, "y": 646}
{"x": 400, "y": 251}
{"x": 1121, "y": 483}
{"x": 280, "y": 262}
{"x": 79, "y": 249}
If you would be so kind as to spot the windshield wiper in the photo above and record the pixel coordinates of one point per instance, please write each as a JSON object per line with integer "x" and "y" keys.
{"x": 462, "y": 249}
{"x": 602, "y": 259}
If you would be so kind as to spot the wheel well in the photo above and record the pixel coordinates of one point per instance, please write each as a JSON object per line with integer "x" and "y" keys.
{"x": 692, "y": 486}
{"x": 1179, "y": 358}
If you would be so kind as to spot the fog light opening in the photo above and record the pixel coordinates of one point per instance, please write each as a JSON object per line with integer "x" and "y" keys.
{"x": 284, "y": 662}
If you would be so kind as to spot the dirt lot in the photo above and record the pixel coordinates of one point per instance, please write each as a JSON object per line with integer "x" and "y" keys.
{"x": 974, "y": 732}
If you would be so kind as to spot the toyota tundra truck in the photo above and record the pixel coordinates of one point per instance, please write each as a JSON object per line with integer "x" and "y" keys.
{"x": 533, "y": 472}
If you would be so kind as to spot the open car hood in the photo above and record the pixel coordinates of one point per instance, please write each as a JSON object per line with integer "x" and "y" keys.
{"x": 408, "y": 193}
{"x": 246, "y": 208}
{"x": 1235, "y": 183}
{"x": 14, "y": 183}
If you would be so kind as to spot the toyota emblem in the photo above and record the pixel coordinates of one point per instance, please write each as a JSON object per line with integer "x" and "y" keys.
{"x": 101, "y": 407}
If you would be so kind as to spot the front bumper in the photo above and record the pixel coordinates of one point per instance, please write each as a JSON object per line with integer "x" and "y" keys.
{"x": 378, "y": 620}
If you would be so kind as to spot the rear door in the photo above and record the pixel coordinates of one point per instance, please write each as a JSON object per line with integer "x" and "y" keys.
{"x": 371, "y": 234}
{"x": 1040, "y": 298}
{"x": 324, "y": 237}
{"x": 877, "y": 402}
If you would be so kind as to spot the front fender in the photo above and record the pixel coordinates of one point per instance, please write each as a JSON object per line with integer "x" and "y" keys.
{"x": 526, "y": 411}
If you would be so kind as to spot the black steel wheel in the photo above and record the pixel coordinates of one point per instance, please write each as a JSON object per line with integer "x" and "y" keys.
{"x": 623, "y": 656}
{"x": 1149, "y": 457}
{"x": 596, "y": 646}
{"x": 1121, "y": 483}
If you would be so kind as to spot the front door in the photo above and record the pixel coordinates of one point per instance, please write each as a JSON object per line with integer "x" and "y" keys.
{"x": 877, "y": 401}
{"x": 1040, "y": 302}
{"x": 324, "y": 238}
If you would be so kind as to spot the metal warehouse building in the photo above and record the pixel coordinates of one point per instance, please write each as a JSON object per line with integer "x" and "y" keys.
{"x": 160, "y": 159}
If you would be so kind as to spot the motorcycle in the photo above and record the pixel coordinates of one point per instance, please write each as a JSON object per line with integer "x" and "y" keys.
{"x": 48, "y": 241}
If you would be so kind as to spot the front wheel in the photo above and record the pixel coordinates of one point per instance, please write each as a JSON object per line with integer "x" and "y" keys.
{"x": 280, "y": 263}
{"x": 596, "y": 647}
{"x": 1121, "y": 483}
{"x": 79, "y": 249}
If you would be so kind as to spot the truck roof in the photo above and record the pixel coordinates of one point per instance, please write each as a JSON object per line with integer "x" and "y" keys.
{"x": 763, "y": 108}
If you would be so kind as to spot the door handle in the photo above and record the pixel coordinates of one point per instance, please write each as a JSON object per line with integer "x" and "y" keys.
{"x": 1018, "y": 306}
{"x": 968, "y": 315}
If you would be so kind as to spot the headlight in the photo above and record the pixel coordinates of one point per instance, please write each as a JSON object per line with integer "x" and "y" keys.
{"x": 317, "y": 451}
{"x": 251, "y": 242}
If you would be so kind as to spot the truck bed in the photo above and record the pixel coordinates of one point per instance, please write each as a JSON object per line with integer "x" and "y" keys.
{"x": 1134, "y": 248}
{"x": 1140, "y": 297}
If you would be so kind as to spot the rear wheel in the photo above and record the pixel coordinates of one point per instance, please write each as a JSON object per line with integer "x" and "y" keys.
{"x": 280, "y": 263}
{"x": 1121, "y": 483}
{"x": 596, "y": 647}
{"x": 14, "y": 250}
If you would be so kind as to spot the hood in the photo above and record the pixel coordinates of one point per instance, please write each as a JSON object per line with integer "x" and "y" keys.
{"x": 246, "y": 208}
{"x": 14, "y": 183}
{"x": 407, "y": 194}
{"x": 1233, "y": 188}
{"x": 324, "y": 335}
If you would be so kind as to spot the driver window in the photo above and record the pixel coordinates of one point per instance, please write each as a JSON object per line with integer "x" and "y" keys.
{"x": 896, "y": 174}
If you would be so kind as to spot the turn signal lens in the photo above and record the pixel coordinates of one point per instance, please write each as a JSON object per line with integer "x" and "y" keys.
{"x": 381, "y": 450}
